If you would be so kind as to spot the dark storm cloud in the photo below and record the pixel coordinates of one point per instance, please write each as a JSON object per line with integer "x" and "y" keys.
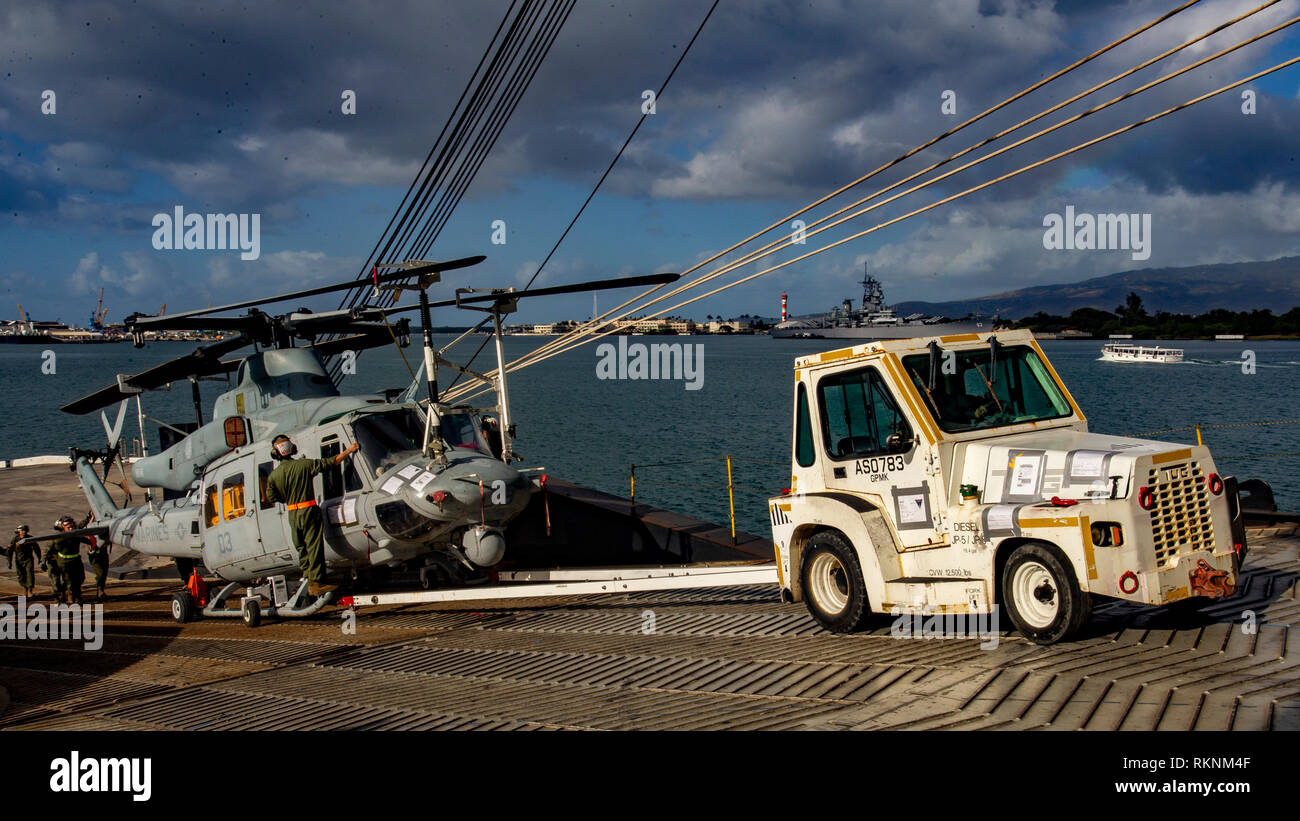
{"x": 237, "y": 107}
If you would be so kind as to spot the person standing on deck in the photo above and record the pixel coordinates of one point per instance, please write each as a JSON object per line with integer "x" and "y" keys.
{"x": 67, "y": 554}
{"x": 290, "y": 484}
{"x": 25, "y": 555}
{"x": 50, "y": 564}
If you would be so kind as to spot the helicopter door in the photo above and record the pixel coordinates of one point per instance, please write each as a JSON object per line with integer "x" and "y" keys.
{"x": 231, "y": 539}
{"x": 273, "y": 521}
{"x": 341, "y": 490}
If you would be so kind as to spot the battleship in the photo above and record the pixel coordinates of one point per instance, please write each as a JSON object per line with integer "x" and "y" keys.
{"x": 874, "y": 320}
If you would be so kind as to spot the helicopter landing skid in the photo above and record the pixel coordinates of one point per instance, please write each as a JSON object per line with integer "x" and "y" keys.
{"x": 273, "y": 595}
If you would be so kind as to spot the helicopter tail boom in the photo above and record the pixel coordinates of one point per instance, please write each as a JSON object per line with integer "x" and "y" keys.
{"x": 100, "y": 501}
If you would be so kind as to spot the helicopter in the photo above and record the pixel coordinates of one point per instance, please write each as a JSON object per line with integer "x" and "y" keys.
{"x": 431, "y": 485}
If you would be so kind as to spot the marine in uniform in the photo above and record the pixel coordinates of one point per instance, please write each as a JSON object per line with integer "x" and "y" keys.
{"x": 290, "y": 484}
{"x": 67, "y": 554}
{"x": 25, "y": 556}
{"x": 98, "y": 556}
{"x": 50, "y": 564}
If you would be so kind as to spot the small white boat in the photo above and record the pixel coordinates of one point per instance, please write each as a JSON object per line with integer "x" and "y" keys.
{"x": 1138, "y": 353}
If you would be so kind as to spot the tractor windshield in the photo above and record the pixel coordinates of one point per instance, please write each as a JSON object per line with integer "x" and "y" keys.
{"x": 971, "y": 391}
{"x": 388, "y": 438}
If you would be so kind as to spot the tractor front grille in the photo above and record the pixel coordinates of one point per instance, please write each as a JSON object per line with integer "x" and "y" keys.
{"x": 1180, "y": 520}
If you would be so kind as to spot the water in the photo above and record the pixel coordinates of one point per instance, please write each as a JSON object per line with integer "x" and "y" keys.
{"x": 591, "y": 431}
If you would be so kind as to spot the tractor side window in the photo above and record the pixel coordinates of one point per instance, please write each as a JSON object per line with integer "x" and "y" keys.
{"x": 232, "y": 496}
{"x": 211, "y": 513}
{"x": 859, "y": 415}
{"x": 263, "y": 471}
{"x": 804, "y": 452}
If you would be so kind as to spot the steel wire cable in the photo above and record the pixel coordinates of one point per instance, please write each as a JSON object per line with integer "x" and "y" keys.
{"x": 521, "y": 37}
{"x": 1052, "y": 158}
{"x": 605, "y": 175}
{"x": 595, "y": 322}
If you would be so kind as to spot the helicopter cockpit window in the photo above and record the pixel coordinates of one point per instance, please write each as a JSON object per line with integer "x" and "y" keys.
{"x": 232, "y": 496}
{"x": 389, "y": 438}
{"x": 341, "y": 479}
{"x": 460, "y": 431}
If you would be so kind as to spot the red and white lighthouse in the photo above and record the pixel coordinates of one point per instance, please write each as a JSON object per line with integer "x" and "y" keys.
{"x": 783, "y": 308}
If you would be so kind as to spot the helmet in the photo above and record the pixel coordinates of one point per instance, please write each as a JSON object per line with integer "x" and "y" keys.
{"x": 282, "y": 447}
{"x": 22, "y": 529}
{"x": 66, "y": 520}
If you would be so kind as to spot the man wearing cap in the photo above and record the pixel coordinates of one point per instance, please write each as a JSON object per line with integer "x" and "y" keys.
{"x": 290, "y": 484}
{"x": 98, "y": 556}
{"x": 50, "y": 564}
{"x": 22, "y": 553}
{"x": 67, "y": 553}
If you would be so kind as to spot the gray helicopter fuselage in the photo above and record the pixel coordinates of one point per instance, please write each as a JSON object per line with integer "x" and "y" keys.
{"x": 388, "y": 504}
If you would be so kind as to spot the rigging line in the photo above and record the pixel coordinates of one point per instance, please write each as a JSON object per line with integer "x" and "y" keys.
{"x": 1060, "y": 73}
{"x": 759, "y": 253}
{"x": 427, "y": 172}
{"x": 373, "y": 258}
{"x": 570, "y": 340}
{"x": 601, "y": 181}
{"x": 501, "y": 114}
{"x": 518, "y": 86}
{"x": 995, "y": 180}
{"x": 626, "y": 142}
{"x": 472, "y": 122}
{"x": 787, "y": 243}
{"x": 488, "y": 150}
{"x": 462, "y": 118}
{"x": 404, "y": 207}
{"x": 466, "y": 123}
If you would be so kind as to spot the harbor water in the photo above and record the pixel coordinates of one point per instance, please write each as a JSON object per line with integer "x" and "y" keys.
{"x": 591, "y": 430}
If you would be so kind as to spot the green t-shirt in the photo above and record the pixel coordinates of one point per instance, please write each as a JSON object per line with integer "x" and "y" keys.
{"x": 290, "y": 482}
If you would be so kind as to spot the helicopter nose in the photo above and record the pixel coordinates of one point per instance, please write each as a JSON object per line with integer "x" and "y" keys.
{"x": 494, "y": 497}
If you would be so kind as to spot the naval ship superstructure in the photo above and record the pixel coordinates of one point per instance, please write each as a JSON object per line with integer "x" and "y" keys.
{"x": 874, "y": 320}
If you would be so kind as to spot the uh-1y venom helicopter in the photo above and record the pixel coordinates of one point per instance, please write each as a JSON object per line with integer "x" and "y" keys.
{"x": 431, "y": 483}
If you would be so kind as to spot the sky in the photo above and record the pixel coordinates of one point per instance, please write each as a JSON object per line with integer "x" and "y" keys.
{"x": 238, "y": 108}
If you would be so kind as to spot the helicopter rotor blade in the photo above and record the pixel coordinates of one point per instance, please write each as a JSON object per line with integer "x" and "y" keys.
{"x": 204, "y": 361}
{"x": 508, "y": 296}
{"x": 158, "y": 322}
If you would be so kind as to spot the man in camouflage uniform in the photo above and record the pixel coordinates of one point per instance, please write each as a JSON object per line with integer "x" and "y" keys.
{"x": 98, "y": 555}
{"x": 25, "y": 556}
{"x": 290, "y": 483}
{"x": 67, "y": 553}
{"x": 50, "y": 564}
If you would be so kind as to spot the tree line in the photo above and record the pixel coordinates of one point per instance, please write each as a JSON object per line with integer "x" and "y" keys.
{"x": 1132, "y": 318}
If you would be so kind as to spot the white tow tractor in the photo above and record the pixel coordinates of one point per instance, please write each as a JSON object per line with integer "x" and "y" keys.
{"x": 956, "y": 474}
